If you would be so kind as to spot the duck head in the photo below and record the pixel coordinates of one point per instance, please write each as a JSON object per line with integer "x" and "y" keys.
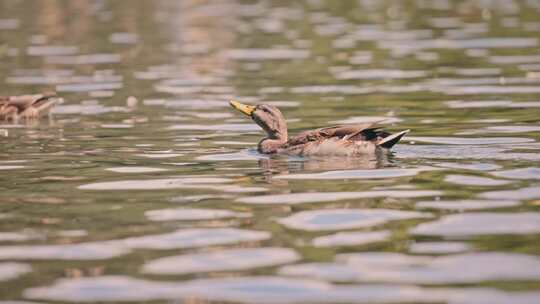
{"x": 267, "y": 117}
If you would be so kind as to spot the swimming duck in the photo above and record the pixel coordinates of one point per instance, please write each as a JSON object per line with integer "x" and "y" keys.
{"x": 343, "y": 140}
{"x": 26, "y": 106}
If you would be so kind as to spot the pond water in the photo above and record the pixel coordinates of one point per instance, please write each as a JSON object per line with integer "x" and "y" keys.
{"x": 144, "y": 185}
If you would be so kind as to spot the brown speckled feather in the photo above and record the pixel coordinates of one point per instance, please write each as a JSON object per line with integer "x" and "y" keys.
{"x": 353, "y": 132}
{"x": 338, "y": 131}
{"x": 342, "y": 140}
{"x": 349, "y": 140}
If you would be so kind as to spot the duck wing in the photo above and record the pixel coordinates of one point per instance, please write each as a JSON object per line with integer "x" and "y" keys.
{"x": 339, "y": 131}
{"x": 367, "y": 132}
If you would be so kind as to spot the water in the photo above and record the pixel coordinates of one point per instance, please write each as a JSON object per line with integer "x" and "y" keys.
{"x": 144, "y": 185}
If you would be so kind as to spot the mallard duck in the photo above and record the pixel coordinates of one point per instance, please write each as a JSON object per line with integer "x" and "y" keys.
{"x": 344, "y": 140}
{"x": 26, "y": 106}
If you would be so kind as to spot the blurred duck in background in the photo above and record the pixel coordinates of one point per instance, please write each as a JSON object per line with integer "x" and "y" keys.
{"x": 26, "y": 107}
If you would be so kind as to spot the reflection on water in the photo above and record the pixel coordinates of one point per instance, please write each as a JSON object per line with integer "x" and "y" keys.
{"x": 351, "y": 238}
{"x": 471, "y": 224}
{"x": 337, "y": 219}
{"x": 144, "y": 185}
{"x": 466, "y": 204}
{"x": 312, "y": 197}
{"x": 521, "y": 173}
{"x": 191, "y": 214}
{"x": 182, "y": 238}
{"x": 401, "y": 268}
{"x": 468, "y": 180}
{"x": 271, "y": 289}
{"x": 10, "y": 271}
{"x": 234, "y": 259}
{"x": 439, "y": 247}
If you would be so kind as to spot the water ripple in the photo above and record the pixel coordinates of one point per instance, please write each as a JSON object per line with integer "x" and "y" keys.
{"x": 82, "y": 251}
{"x": 470, "y": 180}
{"x": 471, "y": 140}
{"x": 267, "y": 54}
{"x": 313, "y": 197}
{"x": 400, "y": 268}
{"x": 518, "y": 194}
{"x": 466, "y": 204}
{"x": 222, "y": 260}
{"x": 134, "y": 169}
{"x": 358, "y": 174}
{"x": 191, "y": 214}
{"x": 351, "y": 238}
{"x": 182, "y": 238}
{"x": 472, "y": 224}
{"x": 157, "y": 184}
{"x": 264, "y": 289}
{"x": 459, "y": 104}
{"x": 336, "y": 219}
{"x": 220, "y": 127}
{"x": 195, "y": 237}
{"x": 439, "y": 247}
{"x": 9, "y": 271}
{"x": 520, "y": 173}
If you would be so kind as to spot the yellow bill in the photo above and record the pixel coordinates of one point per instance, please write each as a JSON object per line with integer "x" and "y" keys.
{"x": 246, "y": 109}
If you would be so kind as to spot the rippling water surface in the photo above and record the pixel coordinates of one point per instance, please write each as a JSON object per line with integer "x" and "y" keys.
{"x": 143, "y": 185}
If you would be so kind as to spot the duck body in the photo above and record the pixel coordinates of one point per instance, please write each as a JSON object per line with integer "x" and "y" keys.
{"x": 340, "y": 140}
{"x": 26, "y": 106}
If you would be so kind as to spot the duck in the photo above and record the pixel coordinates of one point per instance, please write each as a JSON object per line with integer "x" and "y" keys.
{"x": 26, "y": 106}
{"x": 353, "y": 140}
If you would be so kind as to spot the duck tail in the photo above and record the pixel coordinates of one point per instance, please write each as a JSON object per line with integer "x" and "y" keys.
{"x": 389, "y": 141}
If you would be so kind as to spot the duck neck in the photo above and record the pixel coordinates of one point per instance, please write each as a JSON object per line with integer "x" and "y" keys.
{"x": 270, "y": 145}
